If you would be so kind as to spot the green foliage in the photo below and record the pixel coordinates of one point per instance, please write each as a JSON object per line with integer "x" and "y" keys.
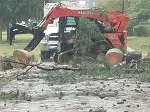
{"x": 143, "y": 15}
{"x": 3, "y": 81}
{"x": 141, "y": 30}
{"x": 11, "y": 95}
{"x": 20, "y": 10}
{"x": 101, "y": 13}
{"x": 143, "y": 4}
{"x": 144, "y": 77}
{"x": 91, "y": 61}
{"x": 5, "y": 61}
{"x": 131, "y": 24}
{"x": 87, "y": 30}
{"x": 131, "y": 7}
{"x": 109, "y": 5}
{"x": 137, "y": 10}
{"x": 99, "y": 68}
{"x": 40, "y": 97}
{"x": 140, "y": 10}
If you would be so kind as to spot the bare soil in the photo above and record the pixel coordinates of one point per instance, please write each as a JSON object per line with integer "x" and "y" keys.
{"x": 36, "y": 94}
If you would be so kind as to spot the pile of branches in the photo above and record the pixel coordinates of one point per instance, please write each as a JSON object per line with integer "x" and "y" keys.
{"x": 5, "y": 63}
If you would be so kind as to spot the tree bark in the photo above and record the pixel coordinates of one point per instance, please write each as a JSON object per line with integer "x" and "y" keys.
{"x": 8, "y": 31}
{"x": 123, "y": 6}
{"x": 0, "y": 35}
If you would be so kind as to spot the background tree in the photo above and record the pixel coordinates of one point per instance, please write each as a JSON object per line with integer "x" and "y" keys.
{"x": 13, "y": 11}
{"x": 116, "y": 5}
{"x": 137, "y": 10}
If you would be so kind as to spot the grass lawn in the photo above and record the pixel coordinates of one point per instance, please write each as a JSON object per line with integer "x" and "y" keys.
{"x": 21, "y": 40}
{"x": 141, "y": 44}
{"x": 134, "y": 42}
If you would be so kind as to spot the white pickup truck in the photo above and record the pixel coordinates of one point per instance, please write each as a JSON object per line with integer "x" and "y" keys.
{"x": 50, "y": 41}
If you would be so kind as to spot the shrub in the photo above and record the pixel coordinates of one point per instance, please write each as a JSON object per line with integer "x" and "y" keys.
{"x": 131, "y": 24}
{"x": 141, "y": 30}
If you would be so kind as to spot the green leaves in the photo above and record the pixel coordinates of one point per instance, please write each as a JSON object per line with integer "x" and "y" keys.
{"x": 112, "y": 5}
{"x": 21, "y": 10}
{"x": 141, "y": 30}
{"x": 87, "y": 31}
{"x": 137, "y": 10}
{"x": 143, "y": 14}
{"x": 101, "y": 14}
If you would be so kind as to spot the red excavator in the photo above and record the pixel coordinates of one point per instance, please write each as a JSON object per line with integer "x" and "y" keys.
{"x": 111, "y": 24}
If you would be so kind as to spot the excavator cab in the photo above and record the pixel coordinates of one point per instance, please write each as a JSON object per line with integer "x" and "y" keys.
{"x": 67, "y": 27}
{"x": 60, "y": 37}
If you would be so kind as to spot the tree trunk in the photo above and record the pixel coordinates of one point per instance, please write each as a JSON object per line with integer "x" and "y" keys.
{"x": 8, "y": 31}
{"x": 123, "y": 6}
{"x": 114, "y": 56}
{"x": 0, "y": 34}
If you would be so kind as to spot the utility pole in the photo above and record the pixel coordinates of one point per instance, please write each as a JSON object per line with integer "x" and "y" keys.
{"x": 123, "y": 6}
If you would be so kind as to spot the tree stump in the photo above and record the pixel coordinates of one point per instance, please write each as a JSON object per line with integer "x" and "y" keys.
{"x": 114, "y": 56}
{"x": 20, "y": 58}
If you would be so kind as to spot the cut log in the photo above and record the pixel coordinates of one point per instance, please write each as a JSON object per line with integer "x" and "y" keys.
{"x": 114, "y": 56}
{"x": 20, "y": 56}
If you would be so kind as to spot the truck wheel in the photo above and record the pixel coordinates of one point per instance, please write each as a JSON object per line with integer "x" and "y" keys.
{"x": 45, "y": 55}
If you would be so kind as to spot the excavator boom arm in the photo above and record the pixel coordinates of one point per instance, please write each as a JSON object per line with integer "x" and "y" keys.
{"x": 116, "y": 20}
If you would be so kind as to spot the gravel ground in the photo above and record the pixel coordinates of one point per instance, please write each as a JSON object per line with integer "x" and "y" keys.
{"x": 93, "y": 95}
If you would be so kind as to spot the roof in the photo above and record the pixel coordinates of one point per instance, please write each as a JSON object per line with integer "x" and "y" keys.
{"x": 68, "y": 4}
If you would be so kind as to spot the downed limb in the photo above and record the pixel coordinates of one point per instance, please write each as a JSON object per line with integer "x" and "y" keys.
{"x": 22, "y": 73}
{"x": 4, "y": 64}
{"x": 39, "y": 66}
{"x": 57, "y": 68}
